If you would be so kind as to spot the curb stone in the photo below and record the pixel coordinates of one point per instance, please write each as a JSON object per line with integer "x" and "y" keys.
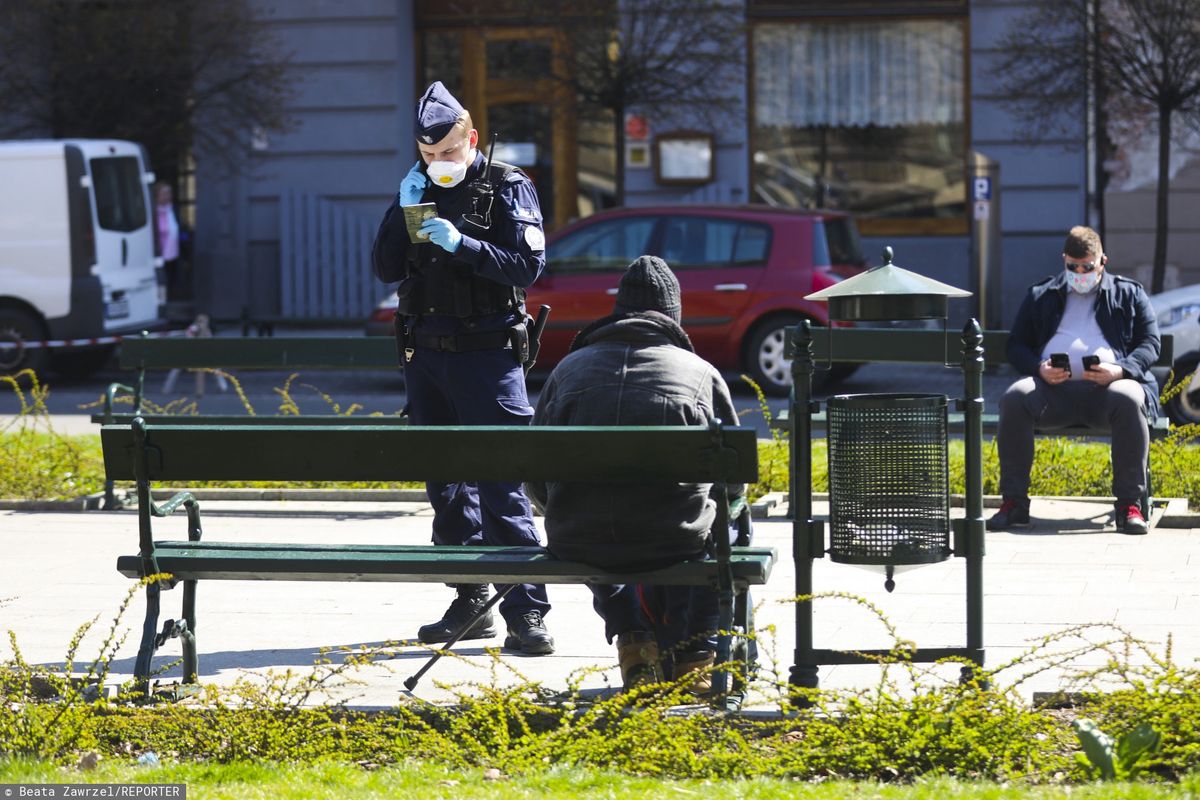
{"x": 87, "y": 502}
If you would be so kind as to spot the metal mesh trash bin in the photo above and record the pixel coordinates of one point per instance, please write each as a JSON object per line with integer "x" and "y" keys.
{"x": 889, "y": 498}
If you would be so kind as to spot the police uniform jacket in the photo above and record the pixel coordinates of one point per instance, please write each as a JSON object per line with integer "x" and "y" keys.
{"x": 636, "y": 369}
{"x": 486, "y": 268}
{"x": 1123, "y": 313}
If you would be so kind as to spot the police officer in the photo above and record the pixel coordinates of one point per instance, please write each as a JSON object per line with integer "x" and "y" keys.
{"x": 462, "y": 336}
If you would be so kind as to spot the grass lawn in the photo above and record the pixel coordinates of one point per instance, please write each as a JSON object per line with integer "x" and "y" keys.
{"x": 427, "y": 781}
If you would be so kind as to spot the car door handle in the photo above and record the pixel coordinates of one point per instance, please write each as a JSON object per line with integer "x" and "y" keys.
{"x": 730, "y": 287}
{"x": 611, "y": 291}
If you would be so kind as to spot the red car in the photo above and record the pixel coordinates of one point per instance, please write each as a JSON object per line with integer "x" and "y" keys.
{"x": 743, "y": 270}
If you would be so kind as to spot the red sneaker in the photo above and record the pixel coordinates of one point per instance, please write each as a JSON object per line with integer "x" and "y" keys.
{"x": 1013, "y": 513}
{"x": 1130, "y": 519}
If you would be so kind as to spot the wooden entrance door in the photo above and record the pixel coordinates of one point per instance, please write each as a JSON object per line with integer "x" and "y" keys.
{"x": 503, "y": 77}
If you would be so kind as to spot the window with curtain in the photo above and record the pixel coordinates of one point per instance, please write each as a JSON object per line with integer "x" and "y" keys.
{"x": 866, "y": 116}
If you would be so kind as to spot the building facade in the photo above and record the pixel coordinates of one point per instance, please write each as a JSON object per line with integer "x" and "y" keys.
{"x": 878, "y": 107}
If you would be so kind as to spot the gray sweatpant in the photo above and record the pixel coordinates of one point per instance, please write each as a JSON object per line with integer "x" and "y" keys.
{"x": 1118, "y": 408}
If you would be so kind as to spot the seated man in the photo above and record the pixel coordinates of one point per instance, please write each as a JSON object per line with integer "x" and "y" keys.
{"x": 1089, "y": 315}
{"x": 637, "y": 367}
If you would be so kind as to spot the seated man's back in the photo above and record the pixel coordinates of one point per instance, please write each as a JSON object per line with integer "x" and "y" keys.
{"x": 636, "y": 367}
{"x": 631, "y": 369}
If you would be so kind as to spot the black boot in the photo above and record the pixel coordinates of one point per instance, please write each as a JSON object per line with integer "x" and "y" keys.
{"x": 529, "y": 635}
{"x": 471, "y": 597}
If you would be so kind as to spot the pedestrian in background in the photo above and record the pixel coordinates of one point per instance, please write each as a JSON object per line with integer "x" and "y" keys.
{"x": 198, "y": 329}
{"x": 166, "y": 239}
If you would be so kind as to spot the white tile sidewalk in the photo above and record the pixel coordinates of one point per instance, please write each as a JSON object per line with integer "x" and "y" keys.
{"x": 1070, "y": 568}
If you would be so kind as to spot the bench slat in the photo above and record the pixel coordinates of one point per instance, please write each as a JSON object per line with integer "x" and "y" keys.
{"x": 285, "y": 352}
{"x": 955, "y": 422}
{"x": 420, "y": 564}
{"x": 397, "y": 453}
{"x": 246, "y": 419}
{"x": 918, "y": 346}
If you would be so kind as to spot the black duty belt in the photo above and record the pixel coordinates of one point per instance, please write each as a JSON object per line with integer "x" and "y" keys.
{"x": 464, "y": 342}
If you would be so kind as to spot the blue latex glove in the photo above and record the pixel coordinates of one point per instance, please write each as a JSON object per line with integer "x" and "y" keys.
{"x": 442, "y": 233}
{"x": 412, "y": 187}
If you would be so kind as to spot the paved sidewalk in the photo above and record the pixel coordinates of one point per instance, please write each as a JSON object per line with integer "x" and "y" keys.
{"x": 1069, "y": 569}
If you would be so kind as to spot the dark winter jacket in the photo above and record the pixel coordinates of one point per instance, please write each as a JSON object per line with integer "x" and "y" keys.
{"x": 1123, "y": 313}
{"x": 635, "y": 369}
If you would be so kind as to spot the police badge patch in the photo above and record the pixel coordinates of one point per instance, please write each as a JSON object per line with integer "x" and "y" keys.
{"x": 535, "y": 238}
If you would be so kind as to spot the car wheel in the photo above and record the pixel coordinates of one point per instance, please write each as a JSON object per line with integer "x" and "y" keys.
{"x": 19, "y": 326}
{"x": 772, "y": 371}
{"x": 764, "y": 355}
{"x": 1184, "y": 408}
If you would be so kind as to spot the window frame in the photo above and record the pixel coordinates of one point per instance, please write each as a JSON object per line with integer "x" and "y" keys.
{"x": 766, "y": 14}
{"x": 121, "y": 174}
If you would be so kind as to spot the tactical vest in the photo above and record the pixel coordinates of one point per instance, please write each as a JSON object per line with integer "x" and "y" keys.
{"x": 436, "y": 284}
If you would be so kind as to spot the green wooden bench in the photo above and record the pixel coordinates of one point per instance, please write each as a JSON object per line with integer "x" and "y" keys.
{"x": 925, "y": 346}
{"x": 150, "y": 453}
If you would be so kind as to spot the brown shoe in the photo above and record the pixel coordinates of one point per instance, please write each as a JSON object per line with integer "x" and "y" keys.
{"x": 637, "y": 653}
{"x": 694, "y": 673}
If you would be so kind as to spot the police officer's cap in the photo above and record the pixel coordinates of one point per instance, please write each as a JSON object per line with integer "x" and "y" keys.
{"x": 437, "y": 112}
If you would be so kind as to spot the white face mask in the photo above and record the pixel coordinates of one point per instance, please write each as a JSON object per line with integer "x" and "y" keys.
{"x": 1085, "y": 282}
{"x": 445, "y": 174}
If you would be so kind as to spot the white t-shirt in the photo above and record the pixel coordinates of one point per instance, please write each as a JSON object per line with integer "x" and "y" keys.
{"x": 1078, "y": 334}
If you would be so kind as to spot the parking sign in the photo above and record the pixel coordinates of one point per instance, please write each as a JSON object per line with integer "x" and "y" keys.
{"x": 983, "y": 189}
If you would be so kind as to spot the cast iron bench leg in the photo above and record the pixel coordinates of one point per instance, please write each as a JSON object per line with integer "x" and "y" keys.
{"x": 720, "y": 678}
{"x": 141, "y": 668}
{"x": 744, "y": 653}
{"x": 152, "y": 638}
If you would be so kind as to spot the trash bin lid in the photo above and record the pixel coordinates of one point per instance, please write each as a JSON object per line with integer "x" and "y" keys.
{"x": 887, "y": 292}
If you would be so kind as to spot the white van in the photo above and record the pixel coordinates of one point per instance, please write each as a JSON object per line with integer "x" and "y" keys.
{"x": 76, "y": 249}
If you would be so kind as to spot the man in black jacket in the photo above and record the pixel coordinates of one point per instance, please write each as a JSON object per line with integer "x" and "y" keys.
{"x": 462, "y": 334}
{"x": 1092, "y": 316}
{"x": 637, "y": 367}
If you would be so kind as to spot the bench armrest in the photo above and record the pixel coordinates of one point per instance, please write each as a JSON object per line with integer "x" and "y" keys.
{"x": 192, "y": 505}
{"x": 110, "y": 396}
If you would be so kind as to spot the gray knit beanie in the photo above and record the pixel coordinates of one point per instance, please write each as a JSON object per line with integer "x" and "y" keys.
{"x": 649, "y": 285}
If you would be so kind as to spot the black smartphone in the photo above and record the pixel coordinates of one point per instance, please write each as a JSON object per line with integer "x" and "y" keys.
{"x": 1060, "y": 361}
{"x": 1090, "y": 362}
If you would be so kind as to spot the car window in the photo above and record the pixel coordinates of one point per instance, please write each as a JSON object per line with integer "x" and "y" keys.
{"x": 120, "y": 195}
{"x": 753, "y": 244}
{"x": 835, "y": 241}
{"x": 697, "y": 242}
{"x": 606, "y": 246}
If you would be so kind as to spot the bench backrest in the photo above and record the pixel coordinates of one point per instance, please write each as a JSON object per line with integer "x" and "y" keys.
{"x": 394, "y": 453}
{"x": 285, "y": 352}
{"x": 904, "y": 345}
{"x": 246, "y": 419}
